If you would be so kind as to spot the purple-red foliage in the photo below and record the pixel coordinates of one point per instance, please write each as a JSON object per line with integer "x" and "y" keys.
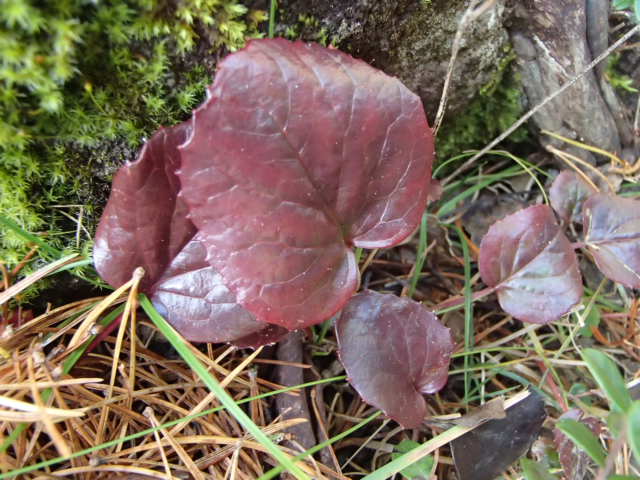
{"x": 531, "y": 265}
{"x": 394, "y": 350}
{"x": 244, "y": 219}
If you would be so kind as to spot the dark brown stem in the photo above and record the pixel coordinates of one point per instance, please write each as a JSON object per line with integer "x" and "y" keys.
{"x": 290, "y": 405}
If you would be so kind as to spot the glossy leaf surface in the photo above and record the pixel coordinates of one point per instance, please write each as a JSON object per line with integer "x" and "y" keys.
{"x": 612, "y": 235}
{"x": 394, "y": 350}
{"x": 580, "y": 434}
{"x": 567, "y": 195}
{"x": 145, "y": 224}
{"x": 193, "y": 298}
{"x": 300, "y": 153}
{"x": 532, "y": 266}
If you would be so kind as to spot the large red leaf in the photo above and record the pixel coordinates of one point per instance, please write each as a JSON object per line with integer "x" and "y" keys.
{"x": 145, "y": 224}
{"x": 612, "y": 235}
{"x": 300, "y": 153}
{"x": 532, "y": 266}
{"x": 394, "y": 350}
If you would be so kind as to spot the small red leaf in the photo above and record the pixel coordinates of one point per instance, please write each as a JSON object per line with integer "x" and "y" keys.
{"x": 532, "y": 266}
{"x": 567, "y": 194}
{"x": 612, "y": 235}
{"x": 394, "y": 350}
{"x": 299, "y": 153}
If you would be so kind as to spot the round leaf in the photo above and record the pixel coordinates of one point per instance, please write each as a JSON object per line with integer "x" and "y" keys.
{"x": 532, "y": 266}
{"x": 394, "y": 350}
{"x": 300, "y": 153}
{"x": 612, "y": 235}
{"x": 567, "y": 194}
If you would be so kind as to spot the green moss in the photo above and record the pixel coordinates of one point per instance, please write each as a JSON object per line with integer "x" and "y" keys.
{"x": 82, "y": 83}
{"x": 308, "y": 27}
{"x": 496, "y": 107}
{"x": 616, "y": 78}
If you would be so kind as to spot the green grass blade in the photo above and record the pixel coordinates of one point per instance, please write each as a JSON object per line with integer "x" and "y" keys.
{"x": 441, "y": 165}
{"x": 468, "y": 313}
{"x": 187, "y": 355}
{"x": 451, "y": 205}
{"x": 409, "y": 458}
{"x": 535, "y": 471}
{"x": 44, "y": 246}
{"x": 633, "y": 429}
{"x": 421, "y": 255}
{"x": 272, "y": 18}
{"x": 529, "y": 171}
{"x": 608, "y": 377}
{"x": 80, "y": 263}
{"x": 420, "y": 469}
{"x": 584, "y": 438}
{"x": 482, "y": 182}
{"x": 277, "y": 470}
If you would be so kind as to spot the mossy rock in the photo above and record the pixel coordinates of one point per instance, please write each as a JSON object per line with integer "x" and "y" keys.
{"x": 410, "y": 39}
{"x": 82, "y": 85}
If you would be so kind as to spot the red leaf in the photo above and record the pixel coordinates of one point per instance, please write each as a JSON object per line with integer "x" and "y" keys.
{"x": 192, "y": 297}
{"x": 532, "y": 266}
{"x": 299, "y": 153}
{"x": 567, "y": 194}
{"x": 573, "y": 459}
{"x": 612, "y": 235}
{"x": 394, "y": 350}
{"x": 145, "y": 224}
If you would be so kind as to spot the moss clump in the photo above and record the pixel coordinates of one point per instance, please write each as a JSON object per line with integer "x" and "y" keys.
{"x": 82, "y": 83}
{"x": 496, "y": 107}
{"x": 310, "y": 29}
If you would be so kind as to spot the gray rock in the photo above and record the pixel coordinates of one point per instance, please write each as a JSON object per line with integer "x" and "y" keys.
{"x": 410, "y": 39}
{"x": 556, "y": 40}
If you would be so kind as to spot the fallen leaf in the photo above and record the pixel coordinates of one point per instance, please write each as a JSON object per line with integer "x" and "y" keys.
{"x": 488, "y": 450}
